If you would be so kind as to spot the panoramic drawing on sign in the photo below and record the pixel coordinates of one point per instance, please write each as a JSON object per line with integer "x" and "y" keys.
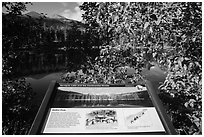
{"x": 101, "y": 98}
{"x": 101, "y": 119}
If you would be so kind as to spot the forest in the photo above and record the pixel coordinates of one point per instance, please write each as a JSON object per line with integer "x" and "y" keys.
{"x": 116, "y": 37}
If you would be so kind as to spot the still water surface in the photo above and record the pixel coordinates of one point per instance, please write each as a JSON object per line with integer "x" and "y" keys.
{"x": 40, "y": 83}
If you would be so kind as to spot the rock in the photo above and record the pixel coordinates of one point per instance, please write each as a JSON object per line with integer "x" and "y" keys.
{"x": 72, "y": 74}
{"x": 154, "y": 74}
{"x": 80, "y": 72}
{"x": 130, "y": 71}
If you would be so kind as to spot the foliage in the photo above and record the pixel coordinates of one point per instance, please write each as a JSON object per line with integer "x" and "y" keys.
{"x": 16, "y": 107}
{"x": 15, "y": 31}
{"x": 102, "y": 75}
{"x": 21, "y": 34}
{"x": 16, "y": 94}
{"x": 182, "y": 93}
{"x": 183, "y": 83}
{"x": 130, "y": 36}
{"x": 15, "y": 8}
{"x": 168, "y": 33}
{"x": 151, "y": 27}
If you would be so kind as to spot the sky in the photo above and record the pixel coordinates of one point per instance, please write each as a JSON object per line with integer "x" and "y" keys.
{"x": 69, "y": 10}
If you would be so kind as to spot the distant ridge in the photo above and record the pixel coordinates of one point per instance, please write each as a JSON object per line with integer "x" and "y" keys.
{"x": 55, "y": 21}
{"x": 56, "y": 16}
{"x": 62, "y": 18}
{"x": 34, "y": 14}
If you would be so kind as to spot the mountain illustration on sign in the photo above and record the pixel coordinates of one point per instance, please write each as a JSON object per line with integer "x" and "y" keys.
{"x": 101, "y": 119}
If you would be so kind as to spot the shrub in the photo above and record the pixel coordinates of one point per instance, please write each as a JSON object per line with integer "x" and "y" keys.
{"x": 17, "y": 109}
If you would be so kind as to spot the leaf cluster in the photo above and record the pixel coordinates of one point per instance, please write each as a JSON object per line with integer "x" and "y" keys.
{"x": 16, "y": 106}
{"x": 15, "y": 8}
{"x": 167, "y": 33}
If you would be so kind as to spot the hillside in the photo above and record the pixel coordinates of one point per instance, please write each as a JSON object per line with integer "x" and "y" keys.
{"x": 34, "y": 14}
{"x": 56, "y": 20}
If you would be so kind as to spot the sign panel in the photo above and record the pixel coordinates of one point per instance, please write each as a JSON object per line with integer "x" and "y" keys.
{"x": 101, "y": 109}
{"x": 103, "y": 120}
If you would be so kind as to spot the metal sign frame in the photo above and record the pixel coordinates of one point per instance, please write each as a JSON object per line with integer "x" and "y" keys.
{"x": 40, "y": 118}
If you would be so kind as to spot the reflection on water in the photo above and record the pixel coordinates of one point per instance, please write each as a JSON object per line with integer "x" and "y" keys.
{"x": 40, "y": 83}
{"x": 34, "y": 63}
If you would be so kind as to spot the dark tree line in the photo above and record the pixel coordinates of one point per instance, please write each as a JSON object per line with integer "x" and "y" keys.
{"x": 23, "y": 33}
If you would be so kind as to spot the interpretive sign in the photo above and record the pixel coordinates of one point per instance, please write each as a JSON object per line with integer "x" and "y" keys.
{"x": 100, "y": 109}
{"x": 103, "y": 120}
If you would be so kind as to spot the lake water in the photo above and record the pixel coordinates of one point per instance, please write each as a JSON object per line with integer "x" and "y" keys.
{"x": 40, "y": 83}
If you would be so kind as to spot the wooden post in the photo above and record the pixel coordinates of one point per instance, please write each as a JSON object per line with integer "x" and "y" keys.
{"x": 160, "y": 109}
